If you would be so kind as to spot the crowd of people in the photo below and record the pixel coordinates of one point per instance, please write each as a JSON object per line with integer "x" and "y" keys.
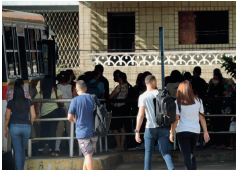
{"x": 93, "y": 82}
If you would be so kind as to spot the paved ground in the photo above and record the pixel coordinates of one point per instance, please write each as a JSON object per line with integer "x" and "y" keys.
{"x": 179, "y": 166}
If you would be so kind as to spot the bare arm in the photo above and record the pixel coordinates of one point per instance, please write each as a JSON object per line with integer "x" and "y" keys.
{"x": 71, "y": 118}
{"x": 173, "y": 127}
{"x": 140, "y": 117}
{"x": 74, "y": 94}
{"x": 33, "y": 114}
{"x": 7, "y": 118}
{"x": 102, "y": 96}
{"x": 38, "y": 108}
{"x": 113, "y": 94}
{"x": 204, "y": 127}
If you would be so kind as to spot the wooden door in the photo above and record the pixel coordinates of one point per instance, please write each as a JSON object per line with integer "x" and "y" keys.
{"x": 187, "y": 28}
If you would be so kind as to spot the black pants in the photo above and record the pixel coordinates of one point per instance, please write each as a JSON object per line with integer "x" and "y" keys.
{"x": 49, "y": 128}
{"x": 187, "y": 143}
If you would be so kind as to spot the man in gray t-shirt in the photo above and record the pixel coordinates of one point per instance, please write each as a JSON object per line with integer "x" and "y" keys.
{"x": 152, "y": 131}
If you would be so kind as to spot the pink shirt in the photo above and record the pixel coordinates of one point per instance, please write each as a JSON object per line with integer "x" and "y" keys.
{"x": 10, "y": 92}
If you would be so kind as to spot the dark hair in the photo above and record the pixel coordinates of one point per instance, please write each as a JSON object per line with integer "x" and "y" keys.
{"x": 71, "y": 73}
{"x": 149, "y": 79}
{"x": 19, "y": 99}
{"x": 123, "y": 76}
{"x": 19, "y": 82}
{"x": 176, "y": 76}
{"x": 99, "y": 68}
{"x": 88, "y": 75}
{"x": 115, "y": 73}
{"x": 140, "y": 85}
{"x": 83, "y": 78}
{"x": 216, "y": 70}
{"x": 64, "y": 76}
{"x": 167, "y": 80}
{"x": 198, "y": 70}
{"x": 138, "y": 80}
{"x": 47, "y": 87}
{"x": 219, "y": 76}
{"x": 187, "y": 75}
{"x": 94, "y": 74}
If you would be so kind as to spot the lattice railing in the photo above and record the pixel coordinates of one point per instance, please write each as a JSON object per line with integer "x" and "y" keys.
{"x": 154, "y": 58}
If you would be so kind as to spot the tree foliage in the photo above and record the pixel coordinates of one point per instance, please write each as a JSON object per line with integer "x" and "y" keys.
{"x": 229, "y": 65}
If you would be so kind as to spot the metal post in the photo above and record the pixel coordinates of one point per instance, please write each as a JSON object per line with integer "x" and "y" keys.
{"x": 100, "y": 143}
{"x": 71, "y": 139}
{"x": 106, "y": 146}
{"x": 80, "y": 153}
{"x": 175, "y": 140}
{"x": 161, "y": 44}
{"x": 29, "y": 148}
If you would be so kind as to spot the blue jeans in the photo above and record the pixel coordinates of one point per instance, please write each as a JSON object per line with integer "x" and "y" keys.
{"x": 150, "y": 136}
{"x": 20, "y": 134}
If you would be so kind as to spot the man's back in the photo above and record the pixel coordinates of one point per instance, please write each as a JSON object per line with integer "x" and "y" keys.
{"x": 199, "y": 86}
{"x": 82, "y": 106}
{"x": 146, "y": 99}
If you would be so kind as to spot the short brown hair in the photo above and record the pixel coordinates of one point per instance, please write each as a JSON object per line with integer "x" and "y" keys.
{"x": 185, "y": 94}
{"x": 149, "y": 79}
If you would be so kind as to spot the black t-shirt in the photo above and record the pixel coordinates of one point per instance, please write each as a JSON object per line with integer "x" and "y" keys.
{"x": 199, "y": 86}
{"x": 106, "y": 87}
{"x": 17, "y": 117}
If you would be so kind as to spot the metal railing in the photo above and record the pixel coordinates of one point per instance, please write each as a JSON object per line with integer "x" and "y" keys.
{"x": 71, "y": 138}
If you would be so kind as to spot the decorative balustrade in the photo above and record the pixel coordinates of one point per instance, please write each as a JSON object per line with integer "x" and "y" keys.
{"x": 154, "y": 58}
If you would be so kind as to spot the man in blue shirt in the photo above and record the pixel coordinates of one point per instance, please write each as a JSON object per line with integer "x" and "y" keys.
{"x": 100, "y": 86}
{"x": 82, "y": 107}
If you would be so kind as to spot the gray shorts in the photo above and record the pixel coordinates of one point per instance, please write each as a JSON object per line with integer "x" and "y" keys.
{"x": 87, "y": 145}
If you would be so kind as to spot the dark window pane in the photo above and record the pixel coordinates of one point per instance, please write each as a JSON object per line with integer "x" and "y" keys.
{"x": 8, "y": 37}
{"x": 45, "y": 55}
{"x": 34, "y": 62}
{"x": 11, "y": 64}
{"x": 38, "y": 39}
{"x": 41, "y": 65}
{"x": 32, "y": 39}
{"x": 26, "y": 39}
{"x": 15, "y": 39}
{"x": 28, "y": 63}
{"x": 17, "y": 64}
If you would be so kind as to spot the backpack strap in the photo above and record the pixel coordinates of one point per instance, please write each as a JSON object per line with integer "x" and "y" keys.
{"x": 158, "y": 117}
{"x": 95, "y": 110}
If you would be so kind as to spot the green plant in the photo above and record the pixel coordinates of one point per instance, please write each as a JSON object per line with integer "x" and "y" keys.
{"x": 183, "y": 72}
{"x": 229, "y": 65}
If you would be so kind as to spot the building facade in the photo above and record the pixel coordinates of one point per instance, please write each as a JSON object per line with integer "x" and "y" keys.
{"x": 190, "y": 37}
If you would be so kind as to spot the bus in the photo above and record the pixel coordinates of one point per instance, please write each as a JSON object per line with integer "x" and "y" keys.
{"x": 29, "y": 52}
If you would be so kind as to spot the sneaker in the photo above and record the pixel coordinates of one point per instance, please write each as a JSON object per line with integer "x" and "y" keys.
{"x": 57, "y": 153}
{"x": 140, "y": 147}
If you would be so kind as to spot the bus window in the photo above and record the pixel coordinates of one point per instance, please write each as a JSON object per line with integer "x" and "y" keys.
{"x": 8, "y": 38}
{"x": 40, "y": 59}
{"x": 11, "y": 64}
{"x": 12, "y": 56}
{"x": 34, "y": 62}
{"x": 26, "y": 39}
{"x": 32, "y": 39}
{"x": 28, "y": 59}
{"x": 38, "y": 39}
{"x": 45, "y": 55}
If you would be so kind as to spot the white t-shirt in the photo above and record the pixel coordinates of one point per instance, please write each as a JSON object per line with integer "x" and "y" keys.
{"x": 67, "y": 93}
{"x": 189, "y": 117}
{"x": 172, "y": 88}
{"x": 146, "y": 99}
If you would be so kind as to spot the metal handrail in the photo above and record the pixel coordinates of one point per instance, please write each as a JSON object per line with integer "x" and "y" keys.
{"x": 71, "y": 138}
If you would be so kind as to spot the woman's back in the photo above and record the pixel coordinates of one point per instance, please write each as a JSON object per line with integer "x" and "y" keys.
{"x": 189, "y": 117}
{"x": 19, "y": 117}
{"x": 67, "y": 92}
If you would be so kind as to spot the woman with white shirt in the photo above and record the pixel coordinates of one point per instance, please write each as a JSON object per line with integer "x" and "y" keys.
{"x": 188, "y": 109}
{"x": 68, "y": 91}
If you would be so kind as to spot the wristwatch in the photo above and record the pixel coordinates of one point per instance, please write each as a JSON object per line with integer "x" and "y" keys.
{"x": 136, "y": 131}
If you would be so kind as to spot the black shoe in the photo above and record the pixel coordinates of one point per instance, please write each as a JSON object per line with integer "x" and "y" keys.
{"x": 45, "y": 150}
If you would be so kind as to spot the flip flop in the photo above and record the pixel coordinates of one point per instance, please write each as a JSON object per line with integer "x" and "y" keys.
{"x": 229, "y": 148}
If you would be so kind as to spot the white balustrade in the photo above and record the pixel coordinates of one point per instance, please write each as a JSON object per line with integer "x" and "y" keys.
{"x": 153, "y": 58}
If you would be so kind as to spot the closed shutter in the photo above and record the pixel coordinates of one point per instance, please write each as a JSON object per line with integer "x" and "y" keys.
{"x": 187, "y": 28}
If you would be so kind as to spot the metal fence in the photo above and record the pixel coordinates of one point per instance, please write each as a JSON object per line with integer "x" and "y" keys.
{"x": 71, "y": 138}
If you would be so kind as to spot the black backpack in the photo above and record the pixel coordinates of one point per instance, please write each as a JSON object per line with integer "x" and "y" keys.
{"x": 101, "y": 119}
{"x": 132, "y": 95}
{"x": 165, "y": 108}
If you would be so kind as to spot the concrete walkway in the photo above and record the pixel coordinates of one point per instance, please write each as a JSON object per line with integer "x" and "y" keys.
{"x": 179, "y": 166}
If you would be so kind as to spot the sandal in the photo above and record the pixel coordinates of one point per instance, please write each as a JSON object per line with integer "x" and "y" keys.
{"x": 229, "y": 148}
